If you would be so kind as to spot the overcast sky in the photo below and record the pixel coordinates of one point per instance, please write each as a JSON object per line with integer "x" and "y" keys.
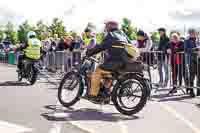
{"x": 147, "y": 14}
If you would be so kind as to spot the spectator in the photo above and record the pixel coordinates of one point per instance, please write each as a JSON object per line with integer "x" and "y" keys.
{"x": 51, "y": 55}
{"x": 89, "y": 39}
{"x": 60, "y": 53}
{"x": 191, "y": 62}
{"x": 68, "y": 54}
{"x": 163, "y": 44}
{"x": 143, "y": 42}
{"x": 76, "y": 46}
{"x": 177, "y": 63}
{"x": 61, "y": 45}
{"x": 89, "y": 43}
{"x": 68, "y": 43}
{"x": 53, "y": 45}
{"x": 56, "y": 39}
{"x": 78, "y": 42}
{"x": 46, "y": 45}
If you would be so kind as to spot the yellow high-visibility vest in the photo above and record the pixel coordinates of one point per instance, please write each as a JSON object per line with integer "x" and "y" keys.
{"x": 33, "y": 49}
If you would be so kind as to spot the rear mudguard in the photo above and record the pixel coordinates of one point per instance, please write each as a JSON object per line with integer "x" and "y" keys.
{"x": 141, "y": 76}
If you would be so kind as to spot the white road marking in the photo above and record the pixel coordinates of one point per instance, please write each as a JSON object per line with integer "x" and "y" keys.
{"x": 123, "y": 127}
{"x": 84, "y": 128}
{"x": 180, "y": 117}
{"x": 56, "y": 127}
{"x": 6, "y": 127}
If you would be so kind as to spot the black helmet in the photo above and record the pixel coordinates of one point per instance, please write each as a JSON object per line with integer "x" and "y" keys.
{"x": 162, "y": 29}
{"x": 88, "y": 29}
{"x": 141, "y": 33}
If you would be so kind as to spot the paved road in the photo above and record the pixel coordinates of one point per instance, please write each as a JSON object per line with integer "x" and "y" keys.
{"x": 35, "y": 109}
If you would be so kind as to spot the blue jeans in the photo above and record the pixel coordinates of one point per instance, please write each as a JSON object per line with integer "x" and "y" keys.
{"x": 163, "y": 72}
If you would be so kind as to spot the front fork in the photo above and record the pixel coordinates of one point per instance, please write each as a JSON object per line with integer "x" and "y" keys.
{"x": 84, "y": 85}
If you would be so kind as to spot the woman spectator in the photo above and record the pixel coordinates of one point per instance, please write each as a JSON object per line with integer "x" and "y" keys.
{"x": 46, "y": 45}
{"x": 162, "y": 60}
{"x": 68, "y": 54}
{"x": 177, "y": 59}
{"x": 68, "y": 43}
{"x": 144, "y": 44}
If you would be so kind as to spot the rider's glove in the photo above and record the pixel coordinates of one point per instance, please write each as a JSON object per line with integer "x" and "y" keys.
{"x": 88, "y": 53}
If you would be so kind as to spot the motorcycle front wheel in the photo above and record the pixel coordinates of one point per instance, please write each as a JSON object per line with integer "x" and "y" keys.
{"x": 70, "y": 90}
{"x": 32, "y": 76}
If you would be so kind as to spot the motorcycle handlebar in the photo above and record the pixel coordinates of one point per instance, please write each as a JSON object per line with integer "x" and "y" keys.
{"x": 91, "y": 59}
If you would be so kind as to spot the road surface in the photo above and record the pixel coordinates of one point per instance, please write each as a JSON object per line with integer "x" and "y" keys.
{"x": 35, "y": 109}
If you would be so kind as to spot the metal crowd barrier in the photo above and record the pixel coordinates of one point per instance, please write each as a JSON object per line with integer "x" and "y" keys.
{"x": 3, "y": 57}
{"x": 177, "y": 70}
{"x": 62, "y": 60}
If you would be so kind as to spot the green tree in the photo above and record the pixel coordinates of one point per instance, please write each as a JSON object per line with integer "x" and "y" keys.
{"x": 41, "y": 30}
{"x": 24, "y": 28}
{"x": 10, "y": 32}
{"x": 128, "y": 29}
{"x": 57, "y": 27}
{"x": 1, "y": 33}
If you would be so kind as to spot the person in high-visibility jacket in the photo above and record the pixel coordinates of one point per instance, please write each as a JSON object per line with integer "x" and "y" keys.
{"x": 32, "y": 49}
{"x": 89, "y": 39}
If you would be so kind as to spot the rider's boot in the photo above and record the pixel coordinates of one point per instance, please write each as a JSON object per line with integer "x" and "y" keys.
{"x": 105, "y": 94}
{"x": 94, "y": 99}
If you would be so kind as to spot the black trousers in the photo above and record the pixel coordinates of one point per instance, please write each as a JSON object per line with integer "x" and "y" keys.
{"x": 20, "y": 59}
{"x": 194, "y": 71}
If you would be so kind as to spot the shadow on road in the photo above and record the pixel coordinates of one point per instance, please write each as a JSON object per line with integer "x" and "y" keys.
{"x": 50, "y": 82}
{"x": 175, "y": 98}
{"x": 198, "y": 105}
{"x": 85, "y": 114}
{"x": 13, "y": 83}
{"x": 53, "y": 107}
{"x": 161, "y": 96}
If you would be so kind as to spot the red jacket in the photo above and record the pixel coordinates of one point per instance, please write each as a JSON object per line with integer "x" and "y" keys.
{"x": 176, "y": 58}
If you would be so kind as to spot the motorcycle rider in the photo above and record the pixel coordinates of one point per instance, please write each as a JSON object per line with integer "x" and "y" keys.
{"x": 115, "y": 60}
{"x": 32, "y": 49}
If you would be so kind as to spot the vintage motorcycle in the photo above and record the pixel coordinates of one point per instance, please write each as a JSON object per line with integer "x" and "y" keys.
{"x": 129, "y": 85}
{"x": 29, "y": 71}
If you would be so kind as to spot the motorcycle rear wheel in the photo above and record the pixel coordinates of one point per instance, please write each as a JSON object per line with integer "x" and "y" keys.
{"x": 120, "y": 92}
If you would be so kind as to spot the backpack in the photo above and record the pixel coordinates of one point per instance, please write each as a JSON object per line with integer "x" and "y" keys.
{"x": 132, "y": 51}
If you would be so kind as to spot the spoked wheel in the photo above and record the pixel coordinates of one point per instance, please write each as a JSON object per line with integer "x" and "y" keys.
{"x": 69, "y": 91}
{"x": 19, "y": 76}
{"x": 131, "y": 95}
{"x": 32, "y": 75}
